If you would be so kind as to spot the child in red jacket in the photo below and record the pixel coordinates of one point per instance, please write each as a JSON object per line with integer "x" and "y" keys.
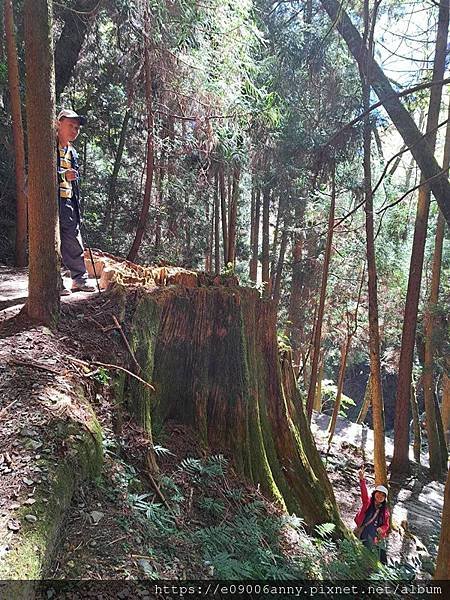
{"x": 372, "y": 519}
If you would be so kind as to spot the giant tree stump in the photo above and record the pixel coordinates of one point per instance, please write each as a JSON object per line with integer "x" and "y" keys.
{"x": 210, "y": 349}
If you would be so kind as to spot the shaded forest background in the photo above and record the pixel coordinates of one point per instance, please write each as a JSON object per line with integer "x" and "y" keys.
{"x": 217, "y": 139}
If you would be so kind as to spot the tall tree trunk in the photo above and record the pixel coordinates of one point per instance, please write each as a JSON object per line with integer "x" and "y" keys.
{"x": 366, "y": 401}
{"x": 255, "y": 240}
{"x": 399, "y": 115}
{"x": 280, "y": 264}
{"x": 150, "y": 152}
{"x": 442, "y": 571}
{"x": 265, "y": 248}
{"x": 43, "y": 283}
{"x": 438, "y": 455}
{"x": 17, "y": 128}
{"x": 233, "y": 208}
{"x": 322, "y": 297}
{"x": 318, "y": 397}
{"x": 216, "y": 224}
{"x": 340, "y": 386}
{"x": 295, "y": 319}
{"x": 111, "y": 201}
{"x": 374, "y": 331}
{"x": 416, "y": 425}
{"x": 223, "y": 211}
{"x": 276, "y": 235}
{"x": 400, "y": 461}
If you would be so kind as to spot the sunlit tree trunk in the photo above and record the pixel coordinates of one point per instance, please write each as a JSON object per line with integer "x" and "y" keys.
{"x": 43, "y": 284}
{"x": 443, "y": 558}
{"x": 322, "y": 297}
{"x": 318, "y": 397}
{"x": 416, "y": 425}
{"x": 340, "y": 386}
{"x": 374, "y": 331}
{"x": 400, "y": 461}
{"x": 17, "y": 129}
{"x": 366, "y": 401}
{"x": 150, "y": 149}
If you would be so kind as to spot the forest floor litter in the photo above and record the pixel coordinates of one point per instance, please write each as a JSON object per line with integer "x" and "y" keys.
{"x": 117, "y": 527}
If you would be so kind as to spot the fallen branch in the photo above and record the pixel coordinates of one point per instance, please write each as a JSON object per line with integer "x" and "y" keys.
{"x": 109, "y": 366}
{"x": 33, "y": 364}
{"x": 124, "y": 337}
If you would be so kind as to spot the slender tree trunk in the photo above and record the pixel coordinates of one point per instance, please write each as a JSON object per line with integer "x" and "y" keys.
{"x": 232, "y": 225}
{"x": 223, "y": 210}
{"x": 416, "y": 425}
{"x": 442, "y": 571}
{"x": 322, "y": 297}
{"x": 438, "y": 455}
{"x": 400, "y": 461}
{"x": 340, "y": 386}
{"x": 366, "y": 401}
{"x": 111, "y": 202}
{"x": 17, "y": 128}
{"x": 265, "y": 249}
{"x": 43, "y": 283}
{"x": 150, "y": 154}
{"x": 216, "y": 224}
{"x": 276, "y": 236}
{"x": 255, "y": 240}
{"x": 295, "y": 319}
{"x": 318, "y": 397}
{"x": 399, "y": 115}
{"x": 280, "y": 264}
{"x": 374, "y": 332}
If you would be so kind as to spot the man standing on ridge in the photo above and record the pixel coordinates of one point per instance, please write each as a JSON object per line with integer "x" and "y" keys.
{"x": 72, "y": 251}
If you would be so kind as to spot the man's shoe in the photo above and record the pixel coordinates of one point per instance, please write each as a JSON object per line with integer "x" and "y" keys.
{"x": 83, "y": 287}
{"x": 65, "y": 292}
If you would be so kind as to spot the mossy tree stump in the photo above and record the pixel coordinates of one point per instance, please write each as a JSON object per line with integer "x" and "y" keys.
{"x": 211, "y": 352}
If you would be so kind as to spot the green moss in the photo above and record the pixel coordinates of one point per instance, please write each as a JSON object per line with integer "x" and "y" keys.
{"x": 33, "y": 544}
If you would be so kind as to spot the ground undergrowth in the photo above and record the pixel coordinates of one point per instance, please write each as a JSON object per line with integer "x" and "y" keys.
{"x": 205, "y": 523}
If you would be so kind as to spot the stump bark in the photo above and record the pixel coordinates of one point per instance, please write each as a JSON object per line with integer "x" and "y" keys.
{"x": 211, "y": 353}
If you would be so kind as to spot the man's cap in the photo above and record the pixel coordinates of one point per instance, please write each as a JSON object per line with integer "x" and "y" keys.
{"x": 66, "y": 113}
{"x": 381, "y": 488}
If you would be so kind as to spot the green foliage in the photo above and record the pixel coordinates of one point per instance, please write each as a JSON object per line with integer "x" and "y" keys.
{"x": 329, "y": 392}
{"x": 102, "y": 376}
{"x": 214, "y": 466}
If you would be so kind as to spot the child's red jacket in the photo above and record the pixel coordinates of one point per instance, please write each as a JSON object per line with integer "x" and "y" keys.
{"x": 359, "y": 519}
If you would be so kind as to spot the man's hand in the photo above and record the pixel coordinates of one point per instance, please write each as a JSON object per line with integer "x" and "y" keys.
{"x": 71, "y": 175}
{"x": 361, "y": 473}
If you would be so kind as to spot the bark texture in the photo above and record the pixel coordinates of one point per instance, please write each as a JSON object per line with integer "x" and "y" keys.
{"x": 443, "y": 557}
{"x": 43, "y": 284}
{"x": 211, "y": 352}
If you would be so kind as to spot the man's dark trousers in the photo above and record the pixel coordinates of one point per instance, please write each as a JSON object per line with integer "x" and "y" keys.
{"x": 72, "y": 251}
